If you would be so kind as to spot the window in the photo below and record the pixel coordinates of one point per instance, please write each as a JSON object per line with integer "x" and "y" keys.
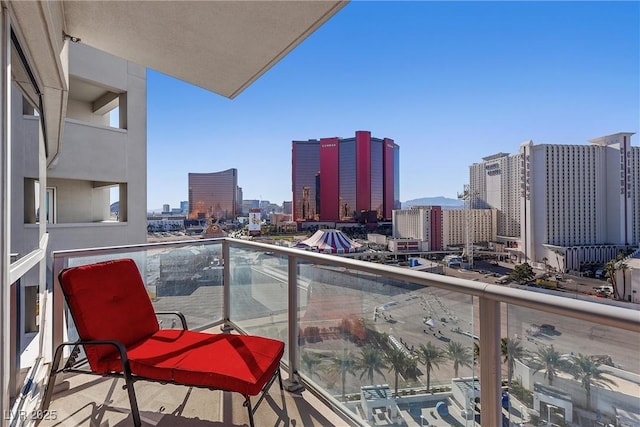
{"x": 35, "y": 209}
{"x": 49, "y": 205}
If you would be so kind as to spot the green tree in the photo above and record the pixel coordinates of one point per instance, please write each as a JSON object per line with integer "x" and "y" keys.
{"x": 459, "y": 355}
{"x": 510, "y": 350}
{"x": 522, "y": 273}
{"x": 430, "y": 356}
{"x": 549, "y": 359}
{"x": 587, "y": 371}
{"x": 369, "y": 362}
{"x": 343, "y": 363}
{"x": 311, "y": 361}
{"x": 397, "y": 361}
{"x": 610, "y": 268}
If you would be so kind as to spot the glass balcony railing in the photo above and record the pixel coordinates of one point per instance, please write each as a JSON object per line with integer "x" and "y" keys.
{"x": 381, "y": 344}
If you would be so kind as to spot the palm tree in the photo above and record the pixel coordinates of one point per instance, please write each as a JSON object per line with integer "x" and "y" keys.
{"x": 550, "y": 360}
{"x": 430, "y": 356}
{"x": 459, "y": 354}
{"x": 511, "y": 350}
{"x": 611, "y": 269}
{"x": 370, "y": 362}
{"x": 343, "y": 363}
{"x": 587, "y": 371}
{"x": 311, "y": 360}
{"x": 397, "y": 360}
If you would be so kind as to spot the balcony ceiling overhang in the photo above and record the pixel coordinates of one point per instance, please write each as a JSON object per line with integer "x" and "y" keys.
{"x": 221, "y": 46}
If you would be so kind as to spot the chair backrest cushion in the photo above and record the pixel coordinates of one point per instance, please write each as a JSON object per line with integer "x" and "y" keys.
{"x": 108, "y": 301}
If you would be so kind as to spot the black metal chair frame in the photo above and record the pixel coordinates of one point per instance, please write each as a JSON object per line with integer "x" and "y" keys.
{"x": 73, "y": 363}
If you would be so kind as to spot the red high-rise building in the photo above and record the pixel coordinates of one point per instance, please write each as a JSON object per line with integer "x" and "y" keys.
{"x": 345, "y": 179}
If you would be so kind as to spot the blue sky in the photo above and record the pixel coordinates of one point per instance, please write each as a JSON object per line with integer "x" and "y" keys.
{"x": 449, "y": 82}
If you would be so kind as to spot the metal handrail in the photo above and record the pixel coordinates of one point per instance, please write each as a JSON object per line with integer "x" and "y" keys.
{"x": 596, "y": 312}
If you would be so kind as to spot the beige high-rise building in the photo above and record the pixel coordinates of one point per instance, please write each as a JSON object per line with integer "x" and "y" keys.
{"x": 454, "y": 226}
{"x": 579, "y": 204}
{"x": 440, "y": 229}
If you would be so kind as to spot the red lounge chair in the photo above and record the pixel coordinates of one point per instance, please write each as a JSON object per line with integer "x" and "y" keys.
{"x": 119, "y": 331}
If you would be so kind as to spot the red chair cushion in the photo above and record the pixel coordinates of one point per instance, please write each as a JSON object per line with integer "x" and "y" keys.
{"x": 240, "y": 363}
{"x": 108, "y": 301}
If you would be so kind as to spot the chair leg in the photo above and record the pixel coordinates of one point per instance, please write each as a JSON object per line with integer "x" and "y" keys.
{"x": 48, "y": 391}
{"x": 247, "y": 400}
{"x": 247, "y": 403}
{"x": 133, "y": 402}
{"x": 280, "y": 379}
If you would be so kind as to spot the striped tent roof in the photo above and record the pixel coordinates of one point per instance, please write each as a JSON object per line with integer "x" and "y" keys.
{"x": 331, "y": 241}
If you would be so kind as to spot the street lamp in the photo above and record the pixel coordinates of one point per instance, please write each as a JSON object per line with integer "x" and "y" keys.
{"x": 421, "y": 420}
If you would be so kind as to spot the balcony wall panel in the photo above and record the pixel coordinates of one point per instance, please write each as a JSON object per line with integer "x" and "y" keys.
{"x": 99, "y": 153}
{"x": 259, "y": 288}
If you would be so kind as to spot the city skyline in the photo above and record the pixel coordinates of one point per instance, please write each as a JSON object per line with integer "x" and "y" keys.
{"x": 449, "y": 82}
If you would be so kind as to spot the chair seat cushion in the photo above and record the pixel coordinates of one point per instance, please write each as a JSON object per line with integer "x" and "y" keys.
{"x": 240, "y": 363}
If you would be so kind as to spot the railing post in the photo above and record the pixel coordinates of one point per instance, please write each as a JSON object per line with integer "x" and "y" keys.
{"x": 57, "y": 309}
{"x": 292, "y": 383}
{"x": 226, "y": 286}
{"x": 490, "y": 366}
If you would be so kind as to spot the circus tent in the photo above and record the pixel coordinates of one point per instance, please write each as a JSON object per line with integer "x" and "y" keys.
{"x": 330, "y": 241}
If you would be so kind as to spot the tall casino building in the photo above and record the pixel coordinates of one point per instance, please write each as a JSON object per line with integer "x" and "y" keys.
{"x": 345, "y": 179}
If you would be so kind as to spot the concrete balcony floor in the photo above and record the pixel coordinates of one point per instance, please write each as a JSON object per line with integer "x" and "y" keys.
{"x": 101, "y": 402}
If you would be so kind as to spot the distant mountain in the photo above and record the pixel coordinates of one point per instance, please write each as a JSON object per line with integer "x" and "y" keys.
{"x": 445, "y": 202}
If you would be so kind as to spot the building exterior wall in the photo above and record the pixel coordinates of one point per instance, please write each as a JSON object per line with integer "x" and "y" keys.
{"x": 411, "y": 223}
{"x": 389, "y": 165}
{"x": 454, "y": 226}
{"x": 407, "y": 245}
{"x": 94, "y": 158}
{"x": 305, "y": 168}
{"x": 422, "y": 223}
{"x": 634, "y": 192}
{"x": 579, "y": 200}
{"x": 213, "y": 195}
{"x": 247, "y": 205}
{"x": 363, "y": 171}
{"x": 348, "y": 179}
{"x": 494, "y": 183}
{"x": 329, "y": 179}
{"x": 377, "y": 178}
{"x": 436, "y": 229}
